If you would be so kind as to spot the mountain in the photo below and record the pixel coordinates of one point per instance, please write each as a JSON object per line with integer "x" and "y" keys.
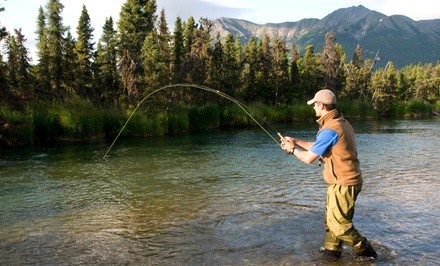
{"x": 395, "y": 38}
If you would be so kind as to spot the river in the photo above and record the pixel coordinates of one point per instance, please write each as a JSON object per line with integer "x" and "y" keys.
{"x": 219, "y": 198}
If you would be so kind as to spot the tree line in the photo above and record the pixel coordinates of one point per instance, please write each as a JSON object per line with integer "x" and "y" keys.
{"x": 140, "y": 54}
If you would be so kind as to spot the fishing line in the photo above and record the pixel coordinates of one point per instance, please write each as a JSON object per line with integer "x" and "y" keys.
{"x": 201, "y": 87}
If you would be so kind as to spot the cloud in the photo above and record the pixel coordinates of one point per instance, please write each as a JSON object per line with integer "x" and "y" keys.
{"x": 196, "y": 9}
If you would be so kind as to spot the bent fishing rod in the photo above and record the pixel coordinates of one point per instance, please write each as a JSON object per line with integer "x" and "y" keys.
{"x": 200, "y": 87}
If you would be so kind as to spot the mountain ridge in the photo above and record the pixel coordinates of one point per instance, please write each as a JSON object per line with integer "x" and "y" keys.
{"x": 395, "y": 38}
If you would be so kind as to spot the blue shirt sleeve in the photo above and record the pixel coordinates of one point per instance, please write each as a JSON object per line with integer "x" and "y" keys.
{"x": 325, "y": 139}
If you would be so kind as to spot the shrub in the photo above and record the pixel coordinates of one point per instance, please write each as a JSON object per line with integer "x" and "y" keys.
{"x": 203, "y": 118}
{"x": 356, "y": 109}
{"x": 178, "y": 122}
{"x": 16, "y": 127}
{"x": 45, "y": 121}
{"x": 412, "y": 108}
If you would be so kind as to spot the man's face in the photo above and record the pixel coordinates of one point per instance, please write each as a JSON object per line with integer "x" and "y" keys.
{"x": 318, "y": 106}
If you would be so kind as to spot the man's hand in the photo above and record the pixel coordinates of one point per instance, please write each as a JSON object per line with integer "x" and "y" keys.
{"x": 287, "y": 143}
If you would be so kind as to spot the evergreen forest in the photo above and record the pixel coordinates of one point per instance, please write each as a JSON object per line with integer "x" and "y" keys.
{"x": 80, "y": 89}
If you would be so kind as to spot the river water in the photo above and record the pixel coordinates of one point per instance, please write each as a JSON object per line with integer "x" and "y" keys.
{"x": 218, "y": 198}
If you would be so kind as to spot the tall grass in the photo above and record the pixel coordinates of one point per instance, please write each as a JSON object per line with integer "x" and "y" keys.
{"x": 15, "y": 127}
{"x": 437, "y": 105}
{"x": 73, "y": 120}
{"x": 356, "y": 109}
{"x": 300, "y": 112}
{"x": 80, "y": 120}
{"x": 412, "y": 108}
{"x": 204, "y": 118}
{"x": 144, "y": 124}
{"x": 45, "y": 121}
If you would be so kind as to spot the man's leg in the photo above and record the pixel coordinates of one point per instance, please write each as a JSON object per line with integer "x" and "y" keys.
{"x": 331, "y": 241}
{"x": 332, "y": 245}
{"x": 339, "y": 215}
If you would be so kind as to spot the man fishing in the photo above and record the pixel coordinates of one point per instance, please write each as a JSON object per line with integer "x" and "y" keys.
{"x": 335, "y": 146}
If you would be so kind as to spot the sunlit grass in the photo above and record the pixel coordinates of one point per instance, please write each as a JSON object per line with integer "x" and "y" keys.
{"x": 80, "y": 120}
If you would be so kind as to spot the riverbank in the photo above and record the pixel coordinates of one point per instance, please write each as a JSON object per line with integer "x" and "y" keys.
{"x": 79, "y": 121}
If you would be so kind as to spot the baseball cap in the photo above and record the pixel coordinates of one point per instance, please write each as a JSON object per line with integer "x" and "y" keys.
{"x": 324, "y": 96}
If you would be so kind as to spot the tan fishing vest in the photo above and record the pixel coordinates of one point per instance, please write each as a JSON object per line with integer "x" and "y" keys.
{"x": 341, "y": 165}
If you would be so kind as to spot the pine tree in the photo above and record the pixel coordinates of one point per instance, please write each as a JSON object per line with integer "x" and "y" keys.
{"x": 12, "y": 65}
{"x": 164, "y": 40}
{"x": 178, "y": 51}
{"x": 357, "y": 60}
{"x": 84, "y": 50}
{"x": 137, "y": 19}
{"x": 331, "y": 62}
{"x": 216, "y": 67}
{"x": 198, "y": 57}
{"x": 295, "y": 82}
{"x": 265, "y": 88}
{"x": 311, "y": 76}
{"x": 280, "y": 71}
{"x": 231, "y": 74}
{"x": 248, "y": 75}
{"x": 357, "y": 77}
{"x": 19, "y": 67}
{"x": 188, "y": 34}
{"x": 42, "y": 68}
{"x": 55, "y": 42}
{"x": 70, "y": 65}
{"x": 156, "y": 56}
{"x": 383, "y": 86}
{"x": 239, "y": 60}
{"x": 6, "y": 95}
{"x": 150, "y": 56}
{"x": 402, "y": 87}
{"x": 106, "y": 72}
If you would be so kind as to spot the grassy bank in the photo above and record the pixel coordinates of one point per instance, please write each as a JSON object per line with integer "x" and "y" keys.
{"x": 80, "y": 121}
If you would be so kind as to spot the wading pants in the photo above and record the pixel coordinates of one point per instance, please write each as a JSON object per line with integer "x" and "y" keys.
{"x": 339, "y": 213}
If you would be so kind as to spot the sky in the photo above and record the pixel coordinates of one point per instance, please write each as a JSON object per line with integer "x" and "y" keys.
{"x": 22, "y": 14}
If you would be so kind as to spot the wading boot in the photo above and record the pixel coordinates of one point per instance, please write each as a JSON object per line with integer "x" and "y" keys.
{"x": 368, "y": 253}
{"x": 329, "y": 255}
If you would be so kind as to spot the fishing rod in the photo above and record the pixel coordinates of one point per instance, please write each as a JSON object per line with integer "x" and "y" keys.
{"x": 201, "y": 87}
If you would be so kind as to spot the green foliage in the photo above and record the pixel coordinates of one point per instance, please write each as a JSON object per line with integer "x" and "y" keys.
{"x": 356, "y": 109}
{"x": 73, "y": 120}
{"x": 178, "y": 122}
{"x": 15, "y": 127}
{"x": 143, "y": 125}
{"x": 45, "y": 121}
{"x": 54, "y": 35}
{"x": 266, "y": 113}
{"x": 299, "y": 112}
{"x": 141, "y": 56}
{"x": 84, "y": 54}
{"x": 412, "y": 108}
{"x": 114, "y": 120}
{"x": 234, "y": 116}
{"x": 204, "y": 118}
{"x": 80, "y": 119}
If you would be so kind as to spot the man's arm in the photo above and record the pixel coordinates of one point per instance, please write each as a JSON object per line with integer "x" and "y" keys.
{"x": 312, "y": 150}
{"x": 305, "y": 145}
{"x": 304, "y": 155}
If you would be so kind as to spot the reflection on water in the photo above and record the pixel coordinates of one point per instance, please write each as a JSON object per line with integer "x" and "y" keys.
{"x": 220, "y": 198}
